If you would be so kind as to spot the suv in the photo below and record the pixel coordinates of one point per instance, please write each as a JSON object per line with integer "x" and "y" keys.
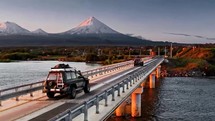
{"x": 65, "y": 80}
{"x": 138, "y": 62}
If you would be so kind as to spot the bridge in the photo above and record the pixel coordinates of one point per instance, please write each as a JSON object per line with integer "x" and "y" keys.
{"x": 112, "y": 87}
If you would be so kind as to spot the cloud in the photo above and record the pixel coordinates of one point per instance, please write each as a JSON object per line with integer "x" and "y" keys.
{"x": 210, "y": 38}
{"x": 198, "y": 36}
{"x": 179, "y": 34}
{"x": 189, "y": 35}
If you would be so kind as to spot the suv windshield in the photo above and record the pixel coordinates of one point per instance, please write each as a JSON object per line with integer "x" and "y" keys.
{"x": 52, "y": 76}
{"x": 137, "y": 59}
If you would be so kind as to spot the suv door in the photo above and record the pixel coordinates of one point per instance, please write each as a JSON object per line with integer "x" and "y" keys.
{"x": 80, "y": 80}
{"x": 72, "y": 78}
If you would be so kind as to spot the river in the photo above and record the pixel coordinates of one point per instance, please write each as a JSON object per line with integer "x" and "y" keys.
{"x": 177, "y": 99}
{"x": 174, "y": 98}
{"x": 22, "y": 72}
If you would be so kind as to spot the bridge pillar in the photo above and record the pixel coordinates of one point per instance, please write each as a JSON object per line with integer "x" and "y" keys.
{"x": 136, "y": 102}
{"x": 158, "y": 71}
{"x": 121, "y": 111}
{"x": 143, "y": 84}
{"x": 152, "y": 80}
{"x": 124, "y": 109}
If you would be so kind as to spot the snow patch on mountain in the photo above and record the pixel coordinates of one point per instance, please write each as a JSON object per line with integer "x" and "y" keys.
{"x": 39, "y": 32}
{"x": 92, "y": 26}
{"x": 10, "y": 28}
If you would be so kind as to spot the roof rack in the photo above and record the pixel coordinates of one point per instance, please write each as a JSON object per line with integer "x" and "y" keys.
{"x": 62, "y": 67}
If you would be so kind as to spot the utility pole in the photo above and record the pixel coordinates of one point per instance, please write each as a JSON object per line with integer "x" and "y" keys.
{"x": 165, "y": 52}
{"x": 171, "y": 50}
{"x": 150, "y": 52}
{"x": 158, "y": 51}
{"x": 140, "y": 51}
{"x": 129, "y": 53}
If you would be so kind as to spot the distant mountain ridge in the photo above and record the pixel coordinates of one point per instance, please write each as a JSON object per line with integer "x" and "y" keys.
{"x": 89, "y": 32}
{"x": 10, "y": 28}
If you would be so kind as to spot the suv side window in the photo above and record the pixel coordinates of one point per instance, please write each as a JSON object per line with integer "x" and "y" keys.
{"x": 73, "y": 75}
{"x": 68, "y": 76}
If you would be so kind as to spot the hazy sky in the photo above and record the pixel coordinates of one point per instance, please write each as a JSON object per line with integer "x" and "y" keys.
{"x": 190, "y": 21}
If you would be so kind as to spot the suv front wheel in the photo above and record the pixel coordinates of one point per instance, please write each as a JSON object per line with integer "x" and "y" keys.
{"x": 72, "y": 93}
{"x": 87, "y": 88}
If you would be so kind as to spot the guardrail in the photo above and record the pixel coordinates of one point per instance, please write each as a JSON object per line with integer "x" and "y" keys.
{"x": 30, "y": 88}
{"x": 136, "y": 77}
{"x": 105, "y": 69}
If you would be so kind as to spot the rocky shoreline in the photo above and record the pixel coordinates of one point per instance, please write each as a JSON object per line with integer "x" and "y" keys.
{"x": 191, "y": 73}
{"x": 171, "y": 68}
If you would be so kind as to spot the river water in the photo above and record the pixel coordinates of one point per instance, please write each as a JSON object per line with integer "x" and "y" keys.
{"x": 174, "y": 98}
{"x": 177, "y": 99}
{"x": 19, "y": 73}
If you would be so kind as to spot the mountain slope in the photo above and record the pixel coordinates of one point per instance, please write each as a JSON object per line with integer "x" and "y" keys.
{"x": 91, "y": 26}
{"x": 93, "y": 31}
{"x": 90, "y": 32}
{"x": 39, "y": 32}
{"x": 10, "y": 28}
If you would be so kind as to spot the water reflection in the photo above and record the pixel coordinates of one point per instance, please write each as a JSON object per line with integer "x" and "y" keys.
{"x": 19, "y": 73}
{"x": 150, "y": 101}
{"x": 177, "y": 98}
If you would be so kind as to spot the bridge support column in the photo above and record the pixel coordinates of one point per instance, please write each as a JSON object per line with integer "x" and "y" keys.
{"x": 158, "y": 71}
{"x": 136, "y": 102}
{"x": 120, "y": 111}
{"x": 143, "y": 84}
{"x": 152, "y": 80}
{"x": 124, "y": 109}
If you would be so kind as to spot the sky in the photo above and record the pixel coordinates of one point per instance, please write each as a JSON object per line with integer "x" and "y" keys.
{"x": 183, "y": 21}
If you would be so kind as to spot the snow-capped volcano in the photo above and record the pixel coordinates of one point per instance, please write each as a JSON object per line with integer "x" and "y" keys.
{"x": 92, "y": 26}
{"x": 39, "y": 32}
{"x": 10, "y": 28}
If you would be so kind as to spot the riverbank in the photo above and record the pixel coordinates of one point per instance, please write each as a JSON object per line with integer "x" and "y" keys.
{"x": 184, "y": 67}
{"x": 104, "y": 56}
{"x": 65, "y": 59}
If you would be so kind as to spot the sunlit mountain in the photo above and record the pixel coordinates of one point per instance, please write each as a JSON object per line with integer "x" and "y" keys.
{"x": 91, "y": 26}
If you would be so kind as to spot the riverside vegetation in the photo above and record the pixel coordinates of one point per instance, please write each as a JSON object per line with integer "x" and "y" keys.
{"x": 191, "y": 61}
{"x": 102, "y": 55}
{"x": 198, "y": 60}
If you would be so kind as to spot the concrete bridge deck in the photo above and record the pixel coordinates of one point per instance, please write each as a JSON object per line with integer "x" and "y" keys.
{"x": 41, "y": 108}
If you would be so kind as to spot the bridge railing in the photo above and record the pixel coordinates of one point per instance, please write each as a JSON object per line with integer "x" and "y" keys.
{"x": 136, "y": 77}
{"x": 29, "y": 88}
{"x": 106, "y": 69}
